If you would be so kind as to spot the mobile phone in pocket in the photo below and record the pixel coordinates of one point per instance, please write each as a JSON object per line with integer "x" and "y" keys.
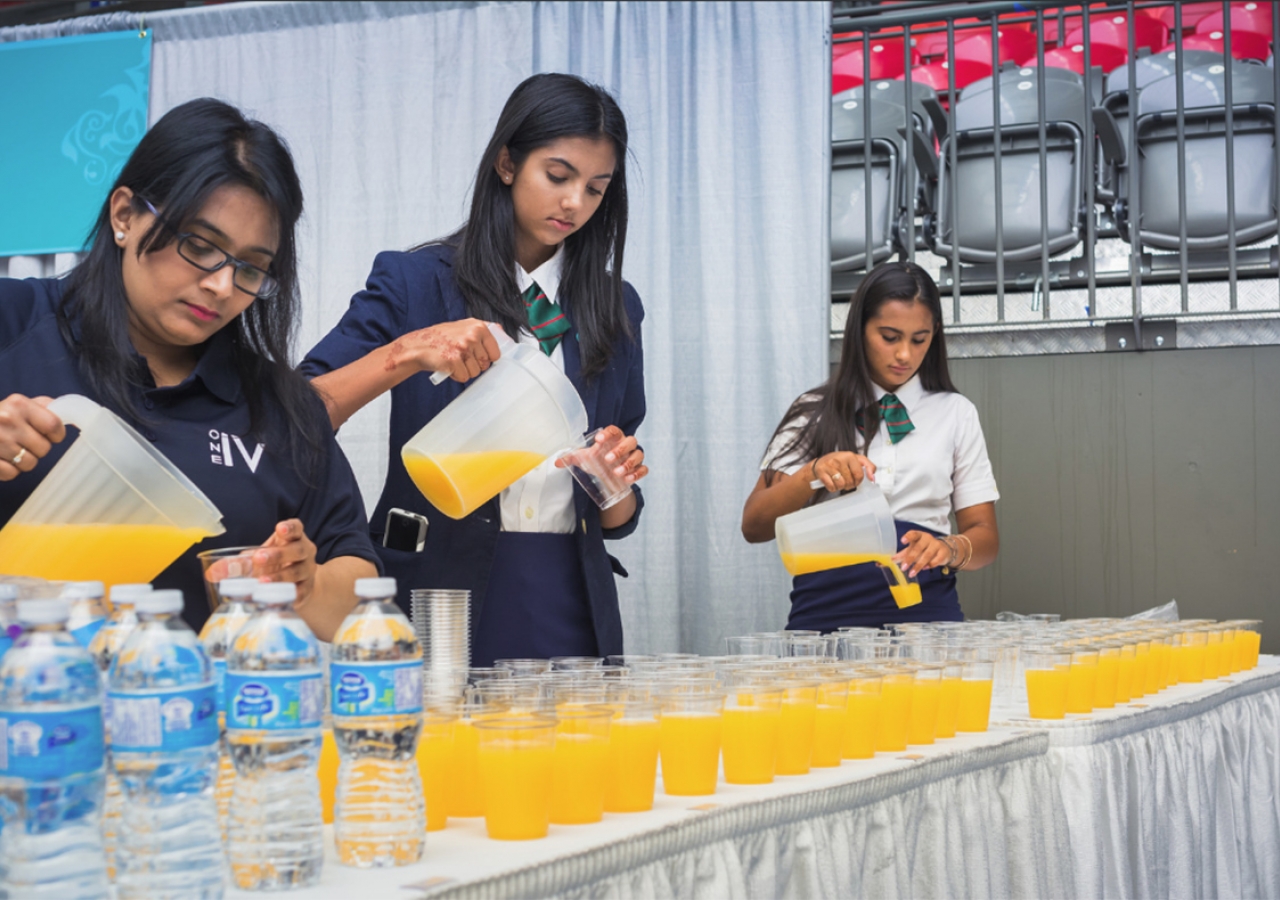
{"x": 405, "y": 531}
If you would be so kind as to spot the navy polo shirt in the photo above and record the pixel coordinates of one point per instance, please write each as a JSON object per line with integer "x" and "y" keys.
{"x": 202, "y": 426}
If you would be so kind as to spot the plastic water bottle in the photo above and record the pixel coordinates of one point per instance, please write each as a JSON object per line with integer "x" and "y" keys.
{"x": 9, "y": 627}
{"x": 218, "y": 631}
{"x": 275, "y": 694}
{"x": 87, "y": 613}
{"x": 103, "y": 648}
{"x": 164, "y": 746}
{"x": 375, "y": 680}
{"x": 51, "y": 761}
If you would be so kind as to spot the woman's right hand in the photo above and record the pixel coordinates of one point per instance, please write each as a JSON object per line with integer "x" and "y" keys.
{"x": 842, "y": 470}
{"x": 27, "y": 432}
{"x": 464, "y": 349}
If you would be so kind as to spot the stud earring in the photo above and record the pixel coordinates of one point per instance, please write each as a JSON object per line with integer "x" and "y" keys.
{"x": 119, "y": 235}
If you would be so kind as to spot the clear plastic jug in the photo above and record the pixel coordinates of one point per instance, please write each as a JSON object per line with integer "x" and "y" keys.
{"x": 506, "y": 423}
{"x": 851, "y": 529}
{"x": 113, "y": 509}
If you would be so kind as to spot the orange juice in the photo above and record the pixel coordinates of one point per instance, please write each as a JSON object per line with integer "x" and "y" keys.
{"x": 516, "y": 774}
{"x": 923, "y": 721}
{"x": 631, "y": 766}
{"x": 1124, "y": 675}
{"x": 828, "y": 735}
{"x": 328, "y": 772}
{"x": 458, "y": 483}
{"x": 462, "y": 796}
{"x": 905, "y": 593}
{"x": 1192, "y": 663}
{"x": 1175, "y": 661}
{"x": 1252, "y": 646}
{"x": 1047, "y": 692}
{"x": 749, "y": 743}
{"x": 1234, "y": 644}
{"x": 1081, "y": 679}
{"x": 1212, "y": 655}
{"x": 948, "y": 707}
{"x": 895, "y": 711}
{"x": 577, "y": 778}
{"x": 975, "y": 705}
{"x": 795, "y": 734}
{"x": 1159, "y": 666}
{"x": 1104, "y": 688}
{"x": 434, "y": 747}
{"x": 689, "y": 744}
{"x": 1142, "y": 660}
{"x": 112, "y": 554}
{"x": 861, "y": 725}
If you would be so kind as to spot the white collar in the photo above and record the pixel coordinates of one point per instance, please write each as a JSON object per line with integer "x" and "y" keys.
{"x": 546, "y": 275}
{"x": 908, "y": 394}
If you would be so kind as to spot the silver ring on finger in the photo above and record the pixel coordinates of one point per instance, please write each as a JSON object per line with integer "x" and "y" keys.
{"x": 22, "y": 454}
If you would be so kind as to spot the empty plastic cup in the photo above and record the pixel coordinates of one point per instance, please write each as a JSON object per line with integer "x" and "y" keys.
{"x": 227, "y": 562}
{"x": 587, "y": 464}
{"x": 506, "y": 423}
{"x": 113, "y": 509}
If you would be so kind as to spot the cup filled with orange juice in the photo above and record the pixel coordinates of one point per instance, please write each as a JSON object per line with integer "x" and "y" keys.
{"x": 434, "y": 748}
{"x": 579, "y": 760}
{"x": 862, "y": 714}
{"x": 1082, "y": 677}
{"x": 749, "y": 739}
{"x": 1046, "y": 668}
{"x": 1191, "y": 657}
{"x": 926, "y": 688}
{"x": 854, "y": 528}
{"x": 949, "y": 697}
{"x": 631, "y": 765}
{"x": 113, "y": 509}
{"x": 897, "y": 690}
{"x": 505, "y": 423}
{"x": 515, "y": 757}
{"x": 976, "y": 681}
{"x": 831, "y": 701}
{"x": 689, "y": 742}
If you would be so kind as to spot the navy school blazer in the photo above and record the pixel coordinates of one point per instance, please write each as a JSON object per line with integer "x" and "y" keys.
{"x": 407, "y": 291}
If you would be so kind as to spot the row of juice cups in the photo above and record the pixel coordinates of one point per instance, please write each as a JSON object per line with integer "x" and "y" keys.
{"x": 1097, "y": 666}
{"x": 565, "y": 746}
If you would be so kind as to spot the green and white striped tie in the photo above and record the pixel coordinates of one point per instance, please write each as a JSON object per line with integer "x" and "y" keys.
{"x": 546, "y": 318}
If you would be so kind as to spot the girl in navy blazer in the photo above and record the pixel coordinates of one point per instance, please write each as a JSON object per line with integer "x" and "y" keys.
{"x": 541, "y": 254}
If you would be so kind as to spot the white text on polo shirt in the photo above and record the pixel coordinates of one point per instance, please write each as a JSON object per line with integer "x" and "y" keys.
{"x": 220, "y": 450}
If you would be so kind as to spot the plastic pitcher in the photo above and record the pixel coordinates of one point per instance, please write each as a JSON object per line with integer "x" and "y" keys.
{"x": 854, "y": 528}
{"x": 505, "y": 424}
{"x": 113, "y": 509}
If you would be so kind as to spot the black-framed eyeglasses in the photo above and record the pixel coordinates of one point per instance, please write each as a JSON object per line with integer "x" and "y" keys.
{"x": 209, "y": 257}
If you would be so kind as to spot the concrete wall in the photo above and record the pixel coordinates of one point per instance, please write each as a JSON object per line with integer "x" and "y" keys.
{"x": 1130, "y": 479}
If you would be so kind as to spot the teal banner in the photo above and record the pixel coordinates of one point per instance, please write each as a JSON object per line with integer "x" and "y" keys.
{"x": 71, "y": 111}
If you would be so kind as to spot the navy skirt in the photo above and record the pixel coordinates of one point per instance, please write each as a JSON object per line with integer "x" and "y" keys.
{"x": 859, "y": 595}
{"x": 536, "y": 604}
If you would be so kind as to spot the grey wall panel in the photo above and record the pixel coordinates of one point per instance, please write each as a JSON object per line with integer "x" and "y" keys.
{"x": 1129, "y": 479}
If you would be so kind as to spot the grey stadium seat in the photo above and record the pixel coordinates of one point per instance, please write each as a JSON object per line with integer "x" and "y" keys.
{"x": 851, "y": 247}
{"x": 1252, "y": 141}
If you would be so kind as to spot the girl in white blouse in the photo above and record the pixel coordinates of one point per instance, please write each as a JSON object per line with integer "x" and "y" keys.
{"x": 890, "y": 414}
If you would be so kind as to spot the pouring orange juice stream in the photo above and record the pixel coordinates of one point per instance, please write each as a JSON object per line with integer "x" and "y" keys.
{"x": 905, "y": 593}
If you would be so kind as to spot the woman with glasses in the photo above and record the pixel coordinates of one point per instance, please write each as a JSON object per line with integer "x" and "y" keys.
{"x": 541, "y": 254}
{"x": 178, "y": 319}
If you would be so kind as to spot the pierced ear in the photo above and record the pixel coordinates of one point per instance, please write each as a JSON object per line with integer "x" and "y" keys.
{"x": 504, "y": 166}
{"x": 122, "y": 212}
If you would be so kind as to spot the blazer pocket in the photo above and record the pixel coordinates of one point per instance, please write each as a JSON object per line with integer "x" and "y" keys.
{"x": 618, "y": 568}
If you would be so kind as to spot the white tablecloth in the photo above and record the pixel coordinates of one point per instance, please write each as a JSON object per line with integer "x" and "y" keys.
{"x": 1178, "y": 798}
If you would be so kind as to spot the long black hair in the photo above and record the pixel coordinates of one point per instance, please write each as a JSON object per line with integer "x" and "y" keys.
{"x": 544, "y": 109}
{"x": 192, "y": 151}
{"x": 830, "y": 413}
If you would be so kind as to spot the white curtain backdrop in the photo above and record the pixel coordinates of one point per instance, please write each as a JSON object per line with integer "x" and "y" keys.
{"x": 387, "y": 107}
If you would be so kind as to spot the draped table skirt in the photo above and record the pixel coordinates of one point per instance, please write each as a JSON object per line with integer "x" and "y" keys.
{"x": 1176, "y": 796}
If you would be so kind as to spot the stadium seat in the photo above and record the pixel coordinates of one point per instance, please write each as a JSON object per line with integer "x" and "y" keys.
{"x": 1109, "y": 41}
{"x": 886, "y": 62}
{"x": 1244, "y": 44}
{"x": 1206, "y": 139}
{"x": 1016, "y": 46}
{"x": 935, "y": 75}
{"x": 1191, "y": 13}
{"x": 1252, "y": 17}
{"x": 851, "y": 158}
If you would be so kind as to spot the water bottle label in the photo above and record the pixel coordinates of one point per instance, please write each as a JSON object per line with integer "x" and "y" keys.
{"x": 274, "y": 700}
{"x": 43, "y": 746}
{"x": 84, "y": 634}
{"x": 167, "y": 721}
{"x": 220, "y": 682}
{"x": 5, "y": 643}
{"x": 376, "y": 688}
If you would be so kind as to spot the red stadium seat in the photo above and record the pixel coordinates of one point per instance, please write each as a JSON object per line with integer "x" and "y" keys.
{"x": 886, "y": 62}
{"x": 1191, "y": 13}
{"x": 1072, "y": 57}
{"x": 1112, "y": 30}
{"x": 934, "y": 74}
{"x": 1251, "y": 17}
{"x": 934, "y": 45}
{"x": 1244, "y": 44}
{"x": 1015, "y": 44}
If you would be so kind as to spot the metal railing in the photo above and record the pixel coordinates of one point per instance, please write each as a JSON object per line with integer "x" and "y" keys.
{"x": 1064, "y": 272}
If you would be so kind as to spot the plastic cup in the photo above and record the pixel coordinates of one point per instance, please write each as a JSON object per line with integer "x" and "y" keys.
{"x": 631, "y": 767}
{"x": 797, "y": 725}
{"x": 515, "y": 755}
{"x": 523, "y": 667}
{"x": 976, "y": 682}
{"x": 1125, "y": 666}
{"x": 689, "y": 743}
{"x": 586, "y": 462}
{"x": 854, "y": 528}
{"x": 1047, "y": 670}
{"x": 442, "y": 622}
{"x": 749, "y": 740}
{"x": 949, "y": 697}
{"x": 1213, "y": 653}
{"x": 434, "y": 747}
{"x": 862, "y": 715}
{"x": 1192, "y": 657}
{"x": 922, "y": 725}
{"x": 750, "y": 645}
{"x": 1104, "y": 689}
{"x": 832, "y": 702}
{"x": 1081, "y": 680}
{"x": 506, "y": 423}
{"x": 227, "y": 562}
{"x": 578, "y": 765}
{"x": 113, "y": 509}
{"x": 575, "y": 663}
{"x": 896, "y": 695}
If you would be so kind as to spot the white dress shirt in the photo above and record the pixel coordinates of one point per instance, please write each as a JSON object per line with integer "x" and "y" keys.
{"x": 541, "y": 501}
{"x": 940, "y": 467}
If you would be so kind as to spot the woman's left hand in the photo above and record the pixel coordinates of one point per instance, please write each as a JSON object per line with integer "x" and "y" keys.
{"x": 922, "y": 551}
{"x": 290, "y": 556}
{"x": 627, "y": 457}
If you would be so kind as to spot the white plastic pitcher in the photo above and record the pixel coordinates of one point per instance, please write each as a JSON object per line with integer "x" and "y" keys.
{"x": 506, "y": 423}
{"x": 853, "y": 528}
{"x": 113, "y": 509}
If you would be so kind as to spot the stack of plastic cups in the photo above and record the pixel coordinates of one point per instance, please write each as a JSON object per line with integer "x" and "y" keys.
{"x": 442, "y": 620}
